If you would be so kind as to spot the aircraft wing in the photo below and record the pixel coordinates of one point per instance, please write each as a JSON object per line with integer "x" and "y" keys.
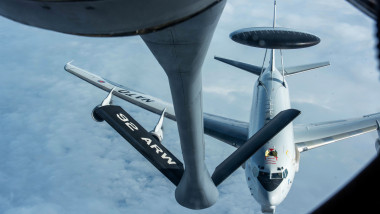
{"x": 144, "y": 101}
{"x": 319, "y": 134}
{"x": 230, "y": 131}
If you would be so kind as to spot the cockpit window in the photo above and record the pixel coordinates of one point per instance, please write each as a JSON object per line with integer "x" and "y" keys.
{"x": 267, "y": 181}
{"x": 277, "y": 175}
{"x": 270, "y": 181}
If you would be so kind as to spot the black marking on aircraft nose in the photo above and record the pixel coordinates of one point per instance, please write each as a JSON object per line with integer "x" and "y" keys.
{"x": 268, "y": 184}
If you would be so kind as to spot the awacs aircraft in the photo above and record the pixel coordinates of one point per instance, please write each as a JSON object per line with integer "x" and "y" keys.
{"x": 270, "y": 169}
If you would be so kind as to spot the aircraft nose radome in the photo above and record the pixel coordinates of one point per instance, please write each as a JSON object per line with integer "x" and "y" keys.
{"x": 272, "y": 199}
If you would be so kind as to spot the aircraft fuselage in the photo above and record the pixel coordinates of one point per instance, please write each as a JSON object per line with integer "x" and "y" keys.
{"x": 270, "y": 171}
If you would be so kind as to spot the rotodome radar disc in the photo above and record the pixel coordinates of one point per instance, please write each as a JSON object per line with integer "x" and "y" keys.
{"x": 274, "y": 38}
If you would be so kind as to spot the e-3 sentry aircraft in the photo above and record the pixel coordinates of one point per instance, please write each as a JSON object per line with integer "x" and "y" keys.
{"x": 271, "y": 168}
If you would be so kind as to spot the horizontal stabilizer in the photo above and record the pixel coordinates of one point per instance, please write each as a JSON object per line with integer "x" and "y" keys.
{"x": 265, "y": 134}
{"x": 247, "y": 67}
{"x": 142, "y": 141}
{"x": 301, "y": 68}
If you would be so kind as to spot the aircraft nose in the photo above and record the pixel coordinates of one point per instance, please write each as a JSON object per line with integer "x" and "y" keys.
{"x": 272, "y": 198}
{"x": 269, "y": 202}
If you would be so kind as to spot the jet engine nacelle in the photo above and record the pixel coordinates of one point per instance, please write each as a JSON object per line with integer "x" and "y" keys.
{"x": 95, "y": 116}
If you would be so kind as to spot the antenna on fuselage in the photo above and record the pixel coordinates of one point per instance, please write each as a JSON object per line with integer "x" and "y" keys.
{"x": 282, "y": 57}
{"x": 273, "y": 54}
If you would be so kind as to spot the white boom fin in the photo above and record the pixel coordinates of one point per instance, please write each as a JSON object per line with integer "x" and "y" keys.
{"x": 108, "y": 100}
{"x": 157, "y": 131}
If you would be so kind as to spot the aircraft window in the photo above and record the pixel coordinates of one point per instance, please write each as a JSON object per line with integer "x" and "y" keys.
{"x": 264, "y": 174}
{"x": 285, "y": 173}
{"x": 276, "y": 175}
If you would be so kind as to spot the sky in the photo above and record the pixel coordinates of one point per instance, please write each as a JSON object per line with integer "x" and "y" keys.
{"x": 55, "y": 159}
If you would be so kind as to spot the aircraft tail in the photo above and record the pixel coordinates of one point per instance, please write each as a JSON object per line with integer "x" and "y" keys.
{"x": 291, "y": 70}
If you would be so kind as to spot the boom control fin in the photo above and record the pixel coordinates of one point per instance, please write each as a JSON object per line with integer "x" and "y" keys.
{"x": 157, "y": 132}
{"x": 106, "y": 101}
